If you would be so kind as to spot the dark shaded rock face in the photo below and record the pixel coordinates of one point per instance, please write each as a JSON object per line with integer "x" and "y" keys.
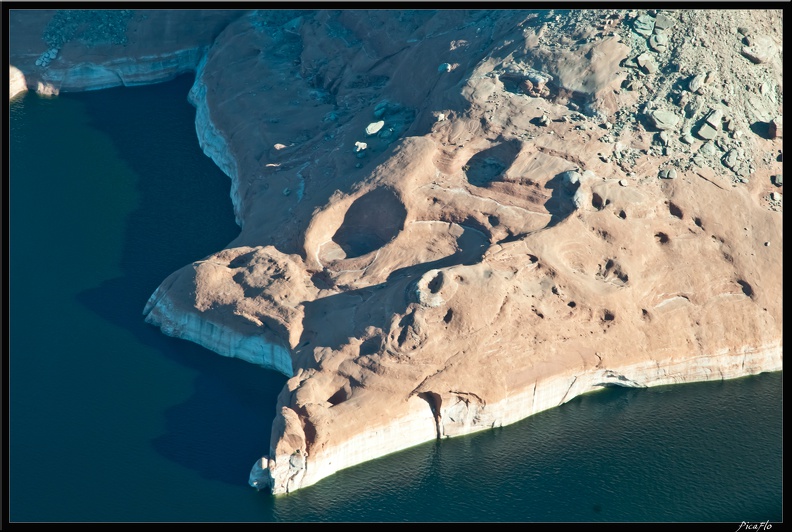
{"x": 83, "y": 49}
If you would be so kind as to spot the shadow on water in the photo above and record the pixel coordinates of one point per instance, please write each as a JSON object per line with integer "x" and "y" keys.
{"x": 184, "y": 213}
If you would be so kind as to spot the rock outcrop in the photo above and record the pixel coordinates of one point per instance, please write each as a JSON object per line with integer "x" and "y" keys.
{"x": 452, "y": 220}
{"x": 16, "y": 82}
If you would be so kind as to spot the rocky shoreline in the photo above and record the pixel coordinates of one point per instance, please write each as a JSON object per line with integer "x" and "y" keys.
{"x": 453, "y": 220}
{"x": 300, "y": 470}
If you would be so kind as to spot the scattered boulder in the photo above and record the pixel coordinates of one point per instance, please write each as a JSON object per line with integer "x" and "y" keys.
{"x": 714, "y": 118}
{"x": 669, "y": 173}
{"x": 662, "y": 22}
{"x": 664, "y": 120}
{"x": 647, "y": 62}
{"x": 708, "y": 148}
{"x": 384, "y": 108}
{"x": 707, "y": 132}
{"x": 712, "y": 124}
{"x": 644, "y": 25}
{"x": 731, "y": 158}
{"x": 360, "y": 146}
{"x": 760, "y": 49}
{"x": 696, "y": 84}
{"x": 659, "y": 42}
{"x": 777, "y": 180}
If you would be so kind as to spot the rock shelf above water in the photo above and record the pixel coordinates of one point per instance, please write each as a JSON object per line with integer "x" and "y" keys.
{"x": 588, "y": 211}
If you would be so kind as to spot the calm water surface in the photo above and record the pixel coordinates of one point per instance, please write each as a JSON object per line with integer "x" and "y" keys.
{"x": 112, "y": 421}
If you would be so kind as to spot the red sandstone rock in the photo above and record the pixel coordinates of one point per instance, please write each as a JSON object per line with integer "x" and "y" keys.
{"x": 451, "y": 277}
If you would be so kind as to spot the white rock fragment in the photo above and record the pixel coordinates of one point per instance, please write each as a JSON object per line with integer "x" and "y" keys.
{"x": 374, "y": 127}
{"x": 360, "y": 146}
{"x": 647, "y": 62}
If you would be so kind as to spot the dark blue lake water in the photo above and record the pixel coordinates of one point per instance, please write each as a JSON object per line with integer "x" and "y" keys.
{"x": 112, "y": 421}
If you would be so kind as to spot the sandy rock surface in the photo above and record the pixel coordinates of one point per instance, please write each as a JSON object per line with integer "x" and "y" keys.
{"x": 452, "y": 220}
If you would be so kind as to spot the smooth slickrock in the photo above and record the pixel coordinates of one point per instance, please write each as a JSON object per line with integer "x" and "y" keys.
{"x": 450, "y": 276}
